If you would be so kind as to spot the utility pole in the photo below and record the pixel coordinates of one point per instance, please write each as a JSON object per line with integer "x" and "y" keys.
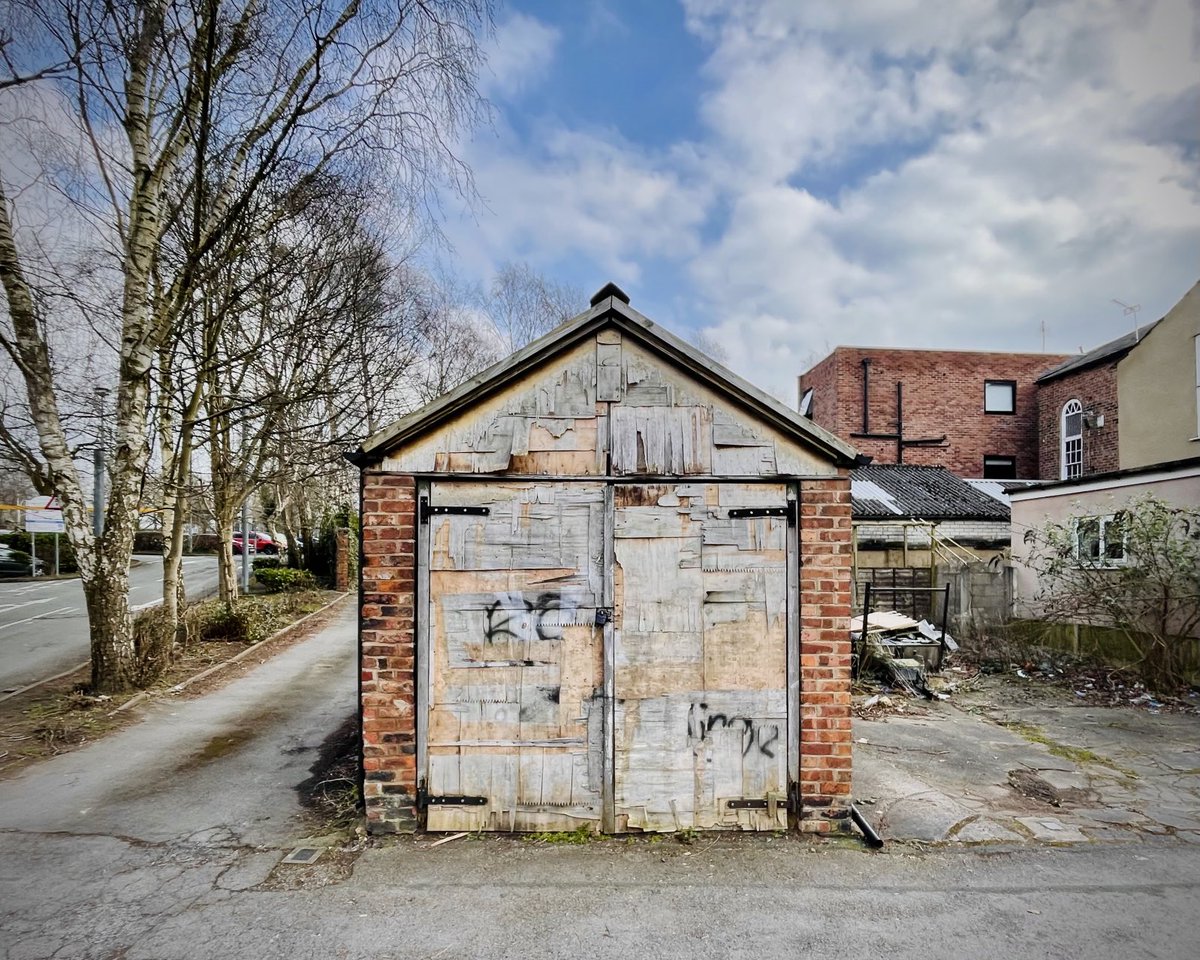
{"x": 98, "y": 476}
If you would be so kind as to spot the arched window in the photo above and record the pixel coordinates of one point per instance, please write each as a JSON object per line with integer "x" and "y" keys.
{"x": 1071, "y": 450}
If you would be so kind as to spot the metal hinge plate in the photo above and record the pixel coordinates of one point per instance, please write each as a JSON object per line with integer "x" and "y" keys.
{"x": 759, "y": 803}
{"x": 427, "y": 510}
{"x": 789, "y": 512}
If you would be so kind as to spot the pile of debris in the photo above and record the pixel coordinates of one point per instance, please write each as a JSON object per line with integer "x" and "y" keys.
{"x": 901, "y": 651}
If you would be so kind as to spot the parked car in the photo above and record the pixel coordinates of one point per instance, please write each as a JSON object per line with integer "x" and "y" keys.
{"x": 17, "y": 563}
{"x": 259, "y": 543}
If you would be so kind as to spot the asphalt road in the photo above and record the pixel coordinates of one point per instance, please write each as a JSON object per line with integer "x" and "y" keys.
{"x": 164, "y": 842}
{"x": 43, "y": 623}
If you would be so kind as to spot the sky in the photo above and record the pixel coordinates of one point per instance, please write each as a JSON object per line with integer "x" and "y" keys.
{"x": 787, "y": 176}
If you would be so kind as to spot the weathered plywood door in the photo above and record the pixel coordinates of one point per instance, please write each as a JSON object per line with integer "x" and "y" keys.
{"x": 700, "y": 656}
{"x": 514, "y": 658}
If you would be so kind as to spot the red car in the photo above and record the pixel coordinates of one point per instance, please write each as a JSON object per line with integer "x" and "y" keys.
{"x": 259, "y": 543}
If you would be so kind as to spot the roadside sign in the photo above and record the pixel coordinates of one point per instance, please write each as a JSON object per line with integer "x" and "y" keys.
{"x": 44, "y": 515}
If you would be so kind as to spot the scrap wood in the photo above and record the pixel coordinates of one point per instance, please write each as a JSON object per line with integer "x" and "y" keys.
{"x": 883, "y": 621}
{"x": 453, "y": 836}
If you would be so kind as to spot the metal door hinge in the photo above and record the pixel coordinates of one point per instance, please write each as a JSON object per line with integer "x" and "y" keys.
{"x": 426, "y": 510}
{"x": 790, "y": 512}
{"x": 759, "y": 803}
{"x": 424, "y": 800}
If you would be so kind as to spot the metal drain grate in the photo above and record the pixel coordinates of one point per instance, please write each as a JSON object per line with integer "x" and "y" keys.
{"x": 302, "y": 855}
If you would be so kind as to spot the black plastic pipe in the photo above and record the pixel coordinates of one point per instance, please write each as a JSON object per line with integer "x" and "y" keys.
{"x": 873, "y": 839}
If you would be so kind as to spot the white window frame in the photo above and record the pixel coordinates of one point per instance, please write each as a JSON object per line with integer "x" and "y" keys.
{"x": 1070, "y": 468}
{"x": 1196, "y": 339}
{"x": 1103, "y": 560}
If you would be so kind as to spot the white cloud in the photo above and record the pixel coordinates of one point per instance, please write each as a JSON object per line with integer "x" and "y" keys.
{"x": 888, "y": 172}
{"x": 1031, "y": 195}
{"x": 518, "y": 55}
{"x": 581, "y": 194}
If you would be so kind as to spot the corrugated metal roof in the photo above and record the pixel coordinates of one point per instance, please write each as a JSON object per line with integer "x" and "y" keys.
{"x": 1000, "y": 489}
{"x": 1114, "y": 348}
{"x": 900, "y": 491}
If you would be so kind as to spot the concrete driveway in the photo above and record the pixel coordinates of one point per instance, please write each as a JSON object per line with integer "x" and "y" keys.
{"x": 991, "y": 768}
{"x": 164, "y": 841}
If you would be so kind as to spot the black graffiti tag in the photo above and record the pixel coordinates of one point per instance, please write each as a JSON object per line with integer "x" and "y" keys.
{"x": 500, "y": 618}
{"x": 755, "y": 733}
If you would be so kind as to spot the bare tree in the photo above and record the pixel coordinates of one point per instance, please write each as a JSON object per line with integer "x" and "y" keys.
{"x": 186, "y": 110}
{"x": 524, "y": 304}
{"x": 1135, "y": 571}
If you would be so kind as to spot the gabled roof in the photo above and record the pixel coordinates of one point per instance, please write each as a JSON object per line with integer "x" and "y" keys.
{"x": 1113, "y": 350}
{"x": 609, "y": 309}
{"x": 904, "y": 492}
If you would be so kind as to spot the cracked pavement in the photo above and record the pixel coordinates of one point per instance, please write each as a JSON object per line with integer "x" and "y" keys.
{"x": 164, "y": 840}
{"x": 951, "y": 773}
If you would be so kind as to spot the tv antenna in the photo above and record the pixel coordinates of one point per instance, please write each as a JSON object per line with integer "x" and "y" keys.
{"x": 1137, "y": 330}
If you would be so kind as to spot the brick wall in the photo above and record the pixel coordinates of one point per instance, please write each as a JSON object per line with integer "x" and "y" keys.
{"x": 1096, "y": 389}
{"x": 943, "y": 394}
{"x": 388, "y": 649}
{"x": 825, "y": 734}
{"x": 823, "y": 378}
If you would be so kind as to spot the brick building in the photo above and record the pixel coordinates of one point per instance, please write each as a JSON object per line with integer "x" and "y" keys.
{"x": 605, "y": 585}
{"x": 1078, "y": 418}
{"x": 973, "y": 412}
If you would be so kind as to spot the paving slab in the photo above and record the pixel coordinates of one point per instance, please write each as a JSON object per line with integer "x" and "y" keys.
{"x": 1173, "y": 817}
{"x": 1116, "y": 816}
{"x": 1052, "y": 830}
{"x": 986, "y": 830}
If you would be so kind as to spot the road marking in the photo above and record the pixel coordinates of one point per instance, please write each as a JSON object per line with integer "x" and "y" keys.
{"x": 33, "y": 587}
{"x": 48, "y": 613}
{"x": 28, "y": 603}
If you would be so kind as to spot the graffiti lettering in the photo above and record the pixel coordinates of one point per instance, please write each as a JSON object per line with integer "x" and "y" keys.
{"x": 506, "y": 618}
{"x": 755, "y": 733}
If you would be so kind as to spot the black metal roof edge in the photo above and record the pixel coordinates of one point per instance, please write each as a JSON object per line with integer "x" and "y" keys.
{"x": 1113, "y": 351}
{"x": 932, "y": 518}
{"x": 1167, "y": 466}
{"x": 610, "y": 311}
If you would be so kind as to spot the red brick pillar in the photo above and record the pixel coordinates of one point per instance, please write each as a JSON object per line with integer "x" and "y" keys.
{"x": 388, "y": 647}
{"x": 825, "y": 597}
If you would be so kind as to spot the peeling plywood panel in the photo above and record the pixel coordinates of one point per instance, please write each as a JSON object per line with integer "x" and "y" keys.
{"x": 700, "y": 713}
{"x": 735, "y": 444}
{"x": 609, "y": 385}
{"x": 546, "y": 424}
{"x": 515, "y": 673}
{"x": 555, "y": 423}
{"x": 661, "y": 440}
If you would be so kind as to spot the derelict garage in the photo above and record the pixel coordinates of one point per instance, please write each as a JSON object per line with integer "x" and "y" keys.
{"x": 605, "y": 584}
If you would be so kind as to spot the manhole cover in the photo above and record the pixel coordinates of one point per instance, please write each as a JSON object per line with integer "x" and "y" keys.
{"x": 302, "y": 855}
